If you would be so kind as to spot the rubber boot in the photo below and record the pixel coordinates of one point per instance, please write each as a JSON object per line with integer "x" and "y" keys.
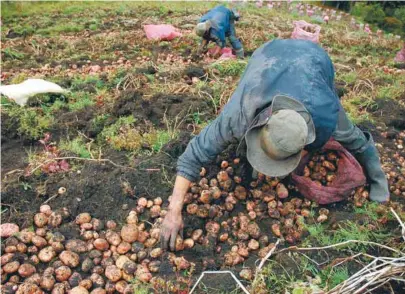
{"x": 368, "y": 157}
{"x": 240, "y": 53}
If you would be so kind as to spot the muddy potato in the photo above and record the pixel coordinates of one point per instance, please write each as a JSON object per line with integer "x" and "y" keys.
{"x": 188, "y": 243}
{"x": 10, "y": 249}
{"x": 97, "y": 280}
{"x": 14, "y": 279}
{"x": 47, "y": 282}
{"x": 202, "y": 211}
{"x": 46, "y": 254}
{"x": 254, "y": 230}
{"x": 11, "y": 267}
{"x": 212, "y": 227}
{"x": 275, "y": 228}
{"x": 28, "y": 288}
{"x": 123, "y": 248}
{"x": 154, "y": 266}
{"x": 129, "y": 233}
{"x": 149, "y": 243}
{"x": 75, "y": 279}
{"x": 59, "y": 288}
{"x": 87, "y": 265}
{"x": 69, "y": 258}
{"x": 26, "y": 270}
{"x": 281, "y": 191}
{"x": 113, "y": 273}
{"x": 322, "y": 218}
{"x": 111, "y": 225}
{"x": 39, "y": 241}
{"x": 155, "y": 233}
{"x": 57, "y": 246}
{"x": 110, "y": 287}
{"x": 25, "y": 236}
{"x": 63, "y": 273}
{"x": 149, "y": 204}
{"x": 121, "y": 261}
{"x": 120, "y": 286}
{"x": 78, "y": 290}
{"x": 246, "y": 274}
{"x": 196, "y": 234}
{"x": 181, "y": 263}
{"x": 253, "y": 244}
{"x": 155, "y": 253}
{"x": 243, "y": 251}
{"x": 98, "y": 291}
{"x": 143, "y": 274}
{"x": 155, "y": 211}
{"x": 113, "y": 237}
{"x": 83, "y": 218}
{"x": 6, "y": 258}
{"x": 86, "y": 283}
{"x": 222, "y": 176}
{"x": 34, "y": 279}
{"x": 192, "y": 208}
{"x": 76, "y": 245}
{"x": 55, "y": 219}
{"x": 129, "y": 267}
{"x": 143, "y": 202}
{"x": 101, "y": 244}
{"x": 232, "y": 258}
{"x": 40, "y": 220}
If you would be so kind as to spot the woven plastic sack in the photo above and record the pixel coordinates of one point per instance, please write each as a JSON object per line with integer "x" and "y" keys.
{"x": 400, "y": 57}
{"x": 301, "y": 31}
{"x": 227, "y": 54}
{"x": 349, "y": 175}
{"x": 161, "y": 32}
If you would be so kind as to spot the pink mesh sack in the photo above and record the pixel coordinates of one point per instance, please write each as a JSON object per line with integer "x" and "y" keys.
{"x": 306, "y": 31}
{"x": 349, "y": 175}
{"x": 227, "y": 54}
{"x": 161, "y": 32}
{"x": 400, "y": 57}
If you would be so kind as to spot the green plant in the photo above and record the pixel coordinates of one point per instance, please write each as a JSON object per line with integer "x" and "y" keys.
{"x": 332, "y": 276}
{"x": 80, "y": 101}
{"x": 392, "y": 24}
{"x": 76, "y": 146}
{"x": 31, "y": 123}
{"x": 230, "y": 67}
{"x": 12, "y": 54}
{"x": 375, "y": 15}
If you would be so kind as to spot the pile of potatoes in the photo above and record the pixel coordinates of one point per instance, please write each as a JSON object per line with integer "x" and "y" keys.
{"x": 240, "y": 221}
{"x": 104, "y": 259}
{"x": 322, "y": 168}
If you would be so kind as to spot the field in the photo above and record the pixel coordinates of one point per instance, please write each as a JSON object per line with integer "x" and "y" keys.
{"x": 133, "y": 105}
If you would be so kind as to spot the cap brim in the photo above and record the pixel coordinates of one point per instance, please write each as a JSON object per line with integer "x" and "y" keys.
{"x": 263, "y": 163}
{"x": 284, "y": 102}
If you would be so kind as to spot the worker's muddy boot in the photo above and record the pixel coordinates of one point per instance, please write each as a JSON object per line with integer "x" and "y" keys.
{"x": 369, "y": 159}
{"x": 240, "y": 53}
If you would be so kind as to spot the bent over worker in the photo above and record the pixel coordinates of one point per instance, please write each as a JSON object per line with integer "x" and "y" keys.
{"x": 285, "y": 102}
{"x": 217, "y": 25}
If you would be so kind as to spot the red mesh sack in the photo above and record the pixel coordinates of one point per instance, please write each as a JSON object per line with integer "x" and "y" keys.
{"x": 302, "y": 30}
{"x": 349, "y": 175}
{"x": 161, "y": 32}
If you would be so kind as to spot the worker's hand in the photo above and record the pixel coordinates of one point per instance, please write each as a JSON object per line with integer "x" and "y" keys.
{"x": 173, "y": 222}
{"x": 171, "y": 226}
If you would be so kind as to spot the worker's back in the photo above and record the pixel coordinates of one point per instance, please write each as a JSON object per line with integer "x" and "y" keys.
{"x": 220, "y": 17}
{"x": 296, "y": 68}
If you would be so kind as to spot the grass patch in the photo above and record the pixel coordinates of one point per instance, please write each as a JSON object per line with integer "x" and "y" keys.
{"x": 12, "y": 54}
{"x": 75, "y": 146}
{"x": 80, "y": 101}
{"x": 230, "y": 67}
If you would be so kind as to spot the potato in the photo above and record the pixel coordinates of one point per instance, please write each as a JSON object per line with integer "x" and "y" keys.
{"x": 55, "y": 219}
{"x": 25, "y": 236}
{"x": 63, "y": 273}
{"x": 6, "y": 258}
{"x": 205, "y": 197}
{"x": 10, "y": 249}
{"x": 155, "y": 211}
{"x": 322, "y": 218}
{"x": 281, "y": 191}
{"x": 120, "y": 286}
{"x": 39, "y": 241}
{"x": 253, "y": 244}
{"x": 46, "y": 254}
{"x": 154, "y": 266}
{"x": 76, "y": 245}
{"x": 123, "y": 248}
{"x": 113, "y": 238}
{"x": 254, "y": 230}
{"x": 97, "y": 280}
{"x": 57, "y": 246}
{"x": 111, "y": 225}
{"x": 150, "y": 242}
{"x": 101, "y": 244}
{"x": 246, "y": 274}
{"x": 86, "y": 283}
{"x": 40, "y": 220}
{"x": 149, "y": 204}
{"x": 78, "y": 290}
{"x": 275, "y": 228}
{"x": 113, "y": 273}
{"x": 143, "y": 274}
{"x": 47, "y": 282}
{"x": 143, "y": 202}
{"x": 192, "y": 208}
{"x": 98, "y": 291}
{"x": 75, "y": 279}
{"x": 69, "y": 258}
{"x": 129, "y": 267}
{"x": 86, "y": 226}
{"x": 57, "y": 237}
{"x": 155, "y": 233}
{"x": 132, "y": 218}
{"x": 26, "y": 270}
{"x": 222, "y": 176}
{"x": 188, "y": 243}
{"x": 59, "y": 288}
{"x": 158, "y": 201}
{"x": 8, "y": 229}
{"x": 11, "y": 267}
{"x": 83, "y": 218}
{"x": 121, "y": 261}
{"x": 46, "y": 209}
{"x": 28, "y": 288}
{"x": 196, "y": 234}
{"x": 98, "y": 225}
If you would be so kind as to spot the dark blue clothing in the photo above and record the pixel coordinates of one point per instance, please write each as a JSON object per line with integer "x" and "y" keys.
{"x": 296, "y": 68}
{"x": 223, "y": 26}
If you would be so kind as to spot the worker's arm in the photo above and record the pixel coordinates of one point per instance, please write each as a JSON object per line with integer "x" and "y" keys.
{"x": 201, "y": 150}
{"x": 203, "y": 46}
{"x": 361, "y": 145}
